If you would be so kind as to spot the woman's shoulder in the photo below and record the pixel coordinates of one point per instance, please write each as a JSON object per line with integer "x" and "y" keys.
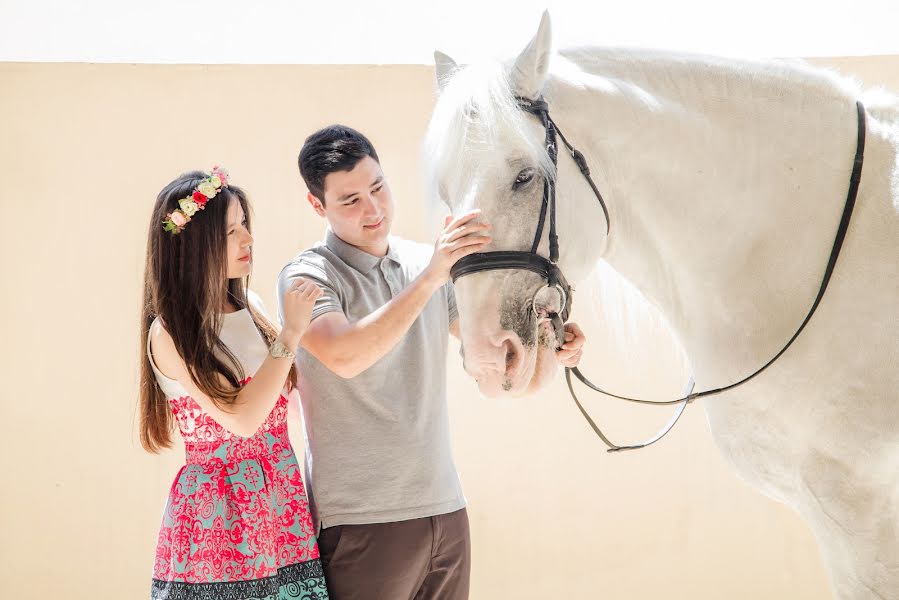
{"x": 161, "y": 347}
{"x": 158, "y": 333}
{"x": 255, "y": 302}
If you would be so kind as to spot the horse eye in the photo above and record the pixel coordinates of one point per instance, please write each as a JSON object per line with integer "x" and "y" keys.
{"x": 523, "y": 177}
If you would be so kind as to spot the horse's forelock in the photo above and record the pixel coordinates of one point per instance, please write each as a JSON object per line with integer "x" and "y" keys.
{"x": 476, "y": 120}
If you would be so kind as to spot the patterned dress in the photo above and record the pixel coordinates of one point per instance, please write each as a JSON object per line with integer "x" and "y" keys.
{"x": 237, "y": 524}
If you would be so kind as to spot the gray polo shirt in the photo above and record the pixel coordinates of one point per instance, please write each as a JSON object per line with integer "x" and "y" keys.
{"x": 377, "y": 445}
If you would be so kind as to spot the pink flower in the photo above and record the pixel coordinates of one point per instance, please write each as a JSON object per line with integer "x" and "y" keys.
{"x": 178, "y": 218}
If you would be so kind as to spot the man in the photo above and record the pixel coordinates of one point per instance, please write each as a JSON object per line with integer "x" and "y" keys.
{"x": 372, "y": 377}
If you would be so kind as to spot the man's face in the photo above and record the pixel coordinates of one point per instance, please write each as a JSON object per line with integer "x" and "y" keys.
{"x": 358, "y": 206}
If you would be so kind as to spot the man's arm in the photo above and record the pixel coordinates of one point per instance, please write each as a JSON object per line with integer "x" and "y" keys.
{"x": 350, "y": 348}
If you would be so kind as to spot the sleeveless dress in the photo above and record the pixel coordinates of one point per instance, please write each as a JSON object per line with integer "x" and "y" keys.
{"x": 236, "y": 524}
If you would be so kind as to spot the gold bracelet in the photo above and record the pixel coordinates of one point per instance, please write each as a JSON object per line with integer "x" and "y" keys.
{"x": 279, "y": 350}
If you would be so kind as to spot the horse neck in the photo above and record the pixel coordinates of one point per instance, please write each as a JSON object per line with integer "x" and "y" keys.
{"x": 725, "y": 183}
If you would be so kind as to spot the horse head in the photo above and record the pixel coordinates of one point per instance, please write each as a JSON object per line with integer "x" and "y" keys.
{"x": 485, "y": 152}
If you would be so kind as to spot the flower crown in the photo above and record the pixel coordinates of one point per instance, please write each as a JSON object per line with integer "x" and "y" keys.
{"x": 205, "y": 191}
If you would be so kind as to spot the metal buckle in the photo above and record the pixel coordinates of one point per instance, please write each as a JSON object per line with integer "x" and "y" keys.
{"x": 563, "y": 297}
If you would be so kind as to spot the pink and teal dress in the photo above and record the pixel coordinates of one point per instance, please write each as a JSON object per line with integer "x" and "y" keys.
{"x": 236, "y": 524}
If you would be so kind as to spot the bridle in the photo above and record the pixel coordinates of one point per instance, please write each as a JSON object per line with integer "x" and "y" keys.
{"x": 548, "y": 268}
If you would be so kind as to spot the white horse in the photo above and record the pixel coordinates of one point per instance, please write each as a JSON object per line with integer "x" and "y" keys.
{"x": 725, "y": 181}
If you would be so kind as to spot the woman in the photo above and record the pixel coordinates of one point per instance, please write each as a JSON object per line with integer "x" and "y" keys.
{"x": 237, "y": 522}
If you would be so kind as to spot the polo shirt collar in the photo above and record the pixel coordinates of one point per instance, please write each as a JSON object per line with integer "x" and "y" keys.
{"x": 358, "y": 259}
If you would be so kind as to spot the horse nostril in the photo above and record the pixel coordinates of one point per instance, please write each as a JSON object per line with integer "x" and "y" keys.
{"x": 513, "y": 357}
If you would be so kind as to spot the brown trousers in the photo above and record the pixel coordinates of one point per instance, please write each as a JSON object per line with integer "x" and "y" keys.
{"x": 419, "y": 559}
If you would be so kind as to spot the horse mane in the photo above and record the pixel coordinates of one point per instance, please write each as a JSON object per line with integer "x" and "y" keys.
{"x": 476, "y": 114}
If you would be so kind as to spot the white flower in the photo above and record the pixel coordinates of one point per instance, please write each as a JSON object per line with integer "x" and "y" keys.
{"x": 207, "y": 189}
{"x": 188, "y": 206}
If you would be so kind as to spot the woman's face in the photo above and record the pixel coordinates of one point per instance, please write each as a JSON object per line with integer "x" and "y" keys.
{"x": 240, "y": 242}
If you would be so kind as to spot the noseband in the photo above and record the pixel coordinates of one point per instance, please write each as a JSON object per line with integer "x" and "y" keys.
{"x": 549, "y": 270}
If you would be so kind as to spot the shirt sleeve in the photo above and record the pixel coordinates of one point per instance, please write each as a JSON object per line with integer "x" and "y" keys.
{"x": 329, "y": 301}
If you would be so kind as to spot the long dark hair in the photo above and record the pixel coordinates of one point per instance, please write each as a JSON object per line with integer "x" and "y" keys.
{"x": 186, "y": 285}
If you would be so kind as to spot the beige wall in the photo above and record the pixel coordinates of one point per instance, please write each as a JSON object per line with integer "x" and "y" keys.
{"x": 83, "y": 151}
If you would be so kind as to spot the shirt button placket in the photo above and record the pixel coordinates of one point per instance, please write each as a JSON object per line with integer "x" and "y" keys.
{"x": 388, "y": 276}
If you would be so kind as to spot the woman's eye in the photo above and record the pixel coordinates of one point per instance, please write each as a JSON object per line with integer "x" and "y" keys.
{"x": 523, "y": 177}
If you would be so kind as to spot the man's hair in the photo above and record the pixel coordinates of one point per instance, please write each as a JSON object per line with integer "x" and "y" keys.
{"x": 334, "y": 148}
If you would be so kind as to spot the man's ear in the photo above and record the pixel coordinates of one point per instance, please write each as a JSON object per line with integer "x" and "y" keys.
{"x": 316, "y": 204}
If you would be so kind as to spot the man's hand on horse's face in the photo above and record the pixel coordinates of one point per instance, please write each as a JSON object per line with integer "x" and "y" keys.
{"x": 569, "y": 355}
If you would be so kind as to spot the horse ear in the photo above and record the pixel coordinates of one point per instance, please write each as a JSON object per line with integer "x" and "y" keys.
{"x": 444, "y": 68}
{"x": 530, "y": 68}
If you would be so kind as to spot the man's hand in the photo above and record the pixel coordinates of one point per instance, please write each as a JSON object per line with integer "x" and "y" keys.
{"x": 569, "y": 355}
{"x": 460, "y": 237}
